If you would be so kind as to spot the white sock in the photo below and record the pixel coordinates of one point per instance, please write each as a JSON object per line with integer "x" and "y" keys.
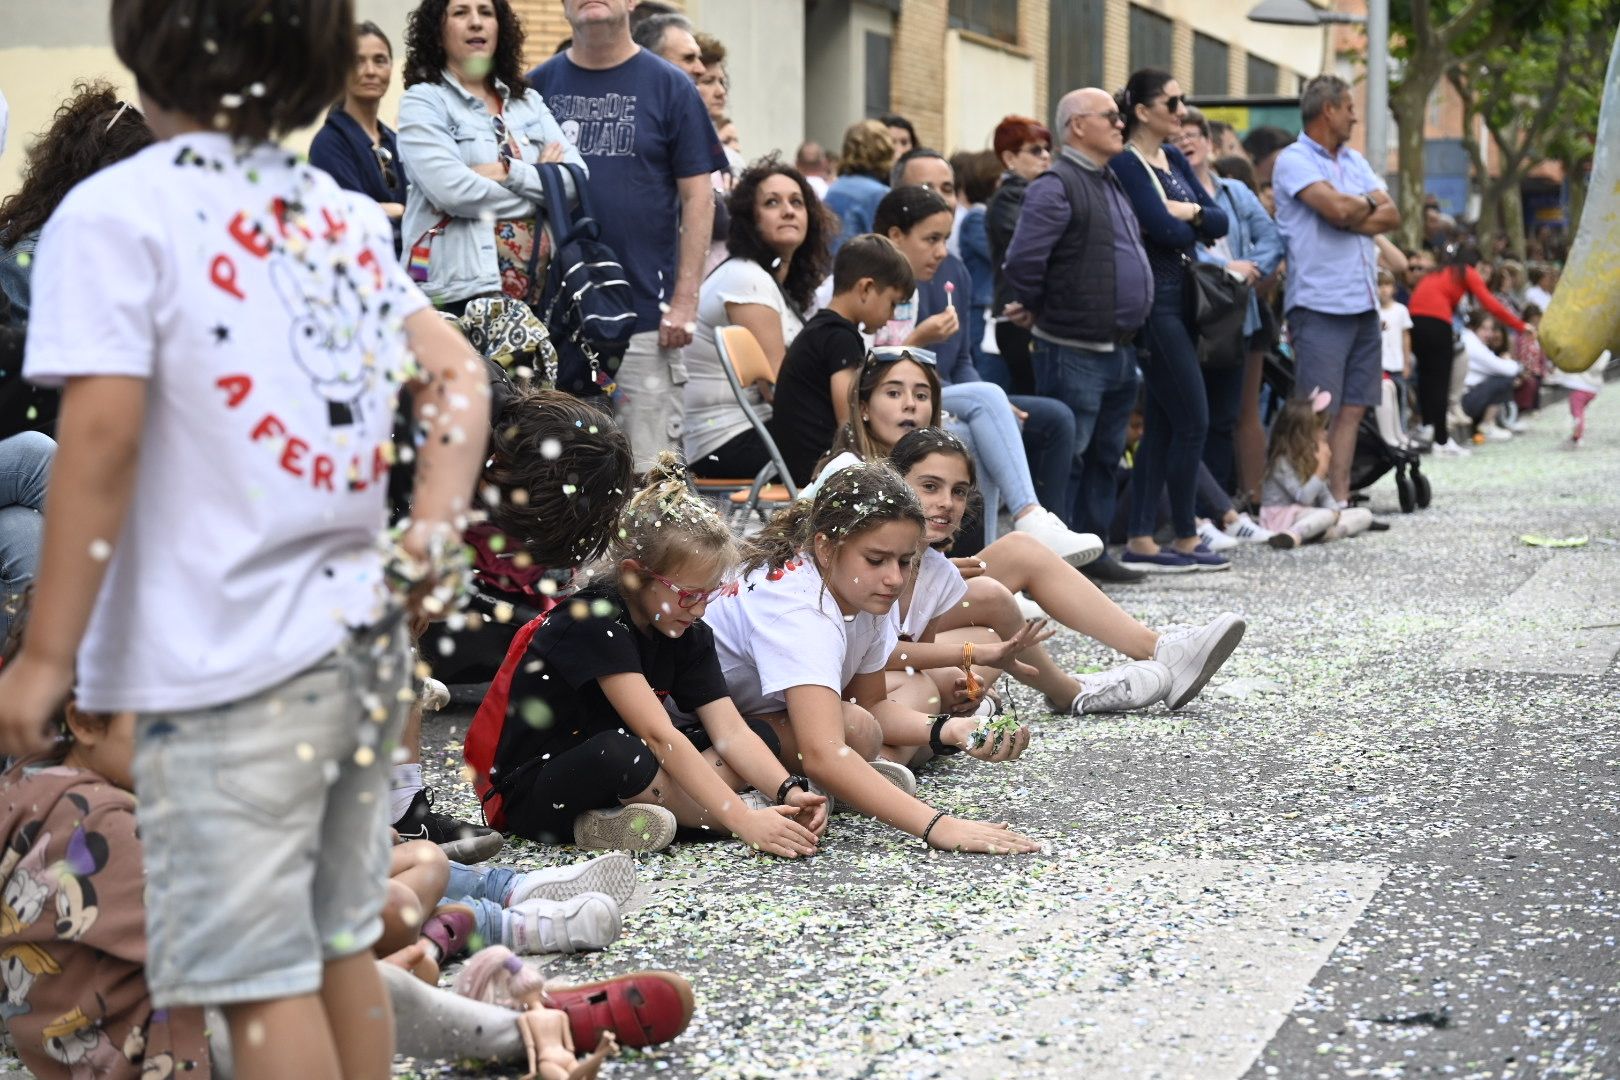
{"x": 404, "y": 781}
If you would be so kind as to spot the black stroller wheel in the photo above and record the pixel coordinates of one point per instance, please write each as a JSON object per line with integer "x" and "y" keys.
{"x": 1421, "y": 489}
{"x": 1405, "y": 488}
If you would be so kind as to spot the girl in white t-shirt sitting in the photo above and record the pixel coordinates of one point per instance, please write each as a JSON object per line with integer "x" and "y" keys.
{"x": 804, "y": 639}
{"x": 1019, "y": 563}
{"x": 778, "y": 255}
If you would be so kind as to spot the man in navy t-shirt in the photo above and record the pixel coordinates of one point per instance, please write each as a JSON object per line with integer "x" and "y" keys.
{"x": 639, "y": 123}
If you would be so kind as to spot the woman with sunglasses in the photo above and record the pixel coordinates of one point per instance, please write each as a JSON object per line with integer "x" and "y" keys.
{"x": 355, "y": 147}
{"x": 590, "y": 756}
{"x": 1176, "y": 214}
{"x": 471, "y": 132}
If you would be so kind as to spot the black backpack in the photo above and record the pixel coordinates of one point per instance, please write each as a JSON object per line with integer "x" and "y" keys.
{"x": 587, "y": 304}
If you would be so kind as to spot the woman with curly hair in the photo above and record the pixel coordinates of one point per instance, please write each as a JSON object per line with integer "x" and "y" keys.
{"x": 863, "y": 178}
{"x": 91, "y": 130}
{"x": 471, "y": 133}
{"x": 778, "y": 255}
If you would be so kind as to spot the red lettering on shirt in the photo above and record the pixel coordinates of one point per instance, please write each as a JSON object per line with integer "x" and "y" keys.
{"x": 278, "y": 206}
{"x": 222, "y": 272}
{"x": 290, "y": 454}
{"x": 321, "y": 473}
{"x": 268, "y": 428}
{"x": 250, "y": 236}
{"x": 236, "y": 387}
{"x": 335, "y": 226}
{"x": 368, "y": 261}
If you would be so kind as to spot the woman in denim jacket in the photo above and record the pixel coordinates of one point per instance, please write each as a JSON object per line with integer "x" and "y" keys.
{"x": 1253, "y": 247}
{"x": 471, "y": 133}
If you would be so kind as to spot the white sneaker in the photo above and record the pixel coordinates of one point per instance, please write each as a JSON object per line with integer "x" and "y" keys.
{"x": 1124, "y": 689}
{"x": 1214, "y": 538}
{"x": 1193, "y": 655}
{"x": 755, "y": 799}
{"x": 1451, "y": 449}
{"x": 1518, "y": 427}
{"x": 1248, "y": 530}
{"x": 1028, "y": 608}
{"x": 588, "y": 922}
{"x": 1424, "y": 433}
{"x": 896, "y": 774}
{"x": 613, "y": 874}
{"x": 1493, "y": 433}
{"x": 640, "y": 827}
{"x": 1074, "y": 548}
{"x": 434, "y": 696}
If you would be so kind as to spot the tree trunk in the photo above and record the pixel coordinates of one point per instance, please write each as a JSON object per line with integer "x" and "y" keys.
{"x": 1409, "y": 102}
{"x": 1513, "y": 214}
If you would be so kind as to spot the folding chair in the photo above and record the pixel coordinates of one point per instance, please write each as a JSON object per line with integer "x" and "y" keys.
{"x": 744, "y": 363}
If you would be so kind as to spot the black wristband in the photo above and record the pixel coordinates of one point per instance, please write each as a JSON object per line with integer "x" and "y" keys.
{"x": 931, "y": 823}
{"x": 939, "y": 748}
{"x": 793, "y": 781}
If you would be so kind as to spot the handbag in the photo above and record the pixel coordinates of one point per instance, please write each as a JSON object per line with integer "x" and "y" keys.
{"x": 1217, "y": 304}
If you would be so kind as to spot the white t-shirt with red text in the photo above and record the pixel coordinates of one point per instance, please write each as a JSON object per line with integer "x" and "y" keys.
{"x": 263, "y": 307}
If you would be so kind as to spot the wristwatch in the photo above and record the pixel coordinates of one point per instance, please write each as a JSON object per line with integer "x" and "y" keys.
{"x": 793, "y": 781}
{"x": 1372, "y": 203}
{"x": 1198, "y": 218}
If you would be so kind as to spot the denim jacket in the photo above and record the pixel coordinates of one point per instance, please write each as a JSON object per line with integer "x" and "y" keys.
{"x": 1253, "y": 236}
{"x": 15, "y": 267}
{"x": 443, "y": 130}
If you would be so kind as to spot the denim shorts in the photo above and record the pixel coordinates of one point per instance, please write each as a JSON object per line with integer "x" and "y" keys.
{"x": 1342, "y": 354}
{"x": 265, "y": 826}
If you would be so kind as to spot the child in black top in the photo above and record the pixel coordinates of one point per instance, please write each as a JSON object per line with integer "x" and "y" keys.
{"x": 589, "y": 751}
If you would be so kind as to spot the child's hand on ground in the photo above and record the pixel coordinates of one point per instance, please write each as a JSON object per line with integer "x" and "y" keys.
{"x": 31, "y": 691}
{"x": 812, "y": 810}
{"x": 955, "y": 834}
{"x": 1001, "y": 743}
{"x": 774, "y": 830}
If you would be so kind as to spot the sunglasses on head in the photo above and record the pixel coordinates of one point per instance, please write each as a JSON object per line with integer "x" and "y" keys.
{"x": 893, "y": 354}
{"x": 385, "y": 162}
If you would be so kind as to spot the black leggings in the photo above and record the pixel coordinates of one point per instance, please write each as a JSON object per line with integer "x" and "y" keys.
{"x": 738, "y": 458}
{"x": 1431, "y": 345}
{"x": 599, "y": 773}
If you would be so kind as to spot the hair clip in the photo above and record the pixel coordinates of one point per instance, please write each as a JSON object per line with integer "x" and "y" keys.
{"x": 1320, "y": 399}
{"x": 122, "y": 105}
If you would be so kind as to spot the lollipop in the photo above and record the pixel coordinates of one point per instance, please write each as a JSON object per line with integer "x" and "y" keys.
{"x": 950, "y": 290}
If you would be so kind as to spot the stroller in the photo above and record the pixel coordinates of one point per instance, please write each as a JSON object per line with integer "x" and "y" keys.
{"x": 1381, "y": 446}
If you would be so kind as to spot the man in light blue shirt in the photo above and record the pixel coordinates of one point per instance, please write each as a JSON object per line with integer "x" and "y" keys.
{"x": 1330, "y": 204}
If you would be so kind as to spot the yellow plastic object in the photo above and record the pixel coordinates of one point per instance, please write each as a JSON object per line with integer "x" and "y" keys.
{"x": 1584, "y": 317}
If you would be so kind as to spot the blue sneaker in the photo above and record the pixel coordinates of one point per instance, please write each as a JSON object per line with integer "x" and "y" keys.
{"x": 1206, "y": 560}
{"x": 1165, "y": 561}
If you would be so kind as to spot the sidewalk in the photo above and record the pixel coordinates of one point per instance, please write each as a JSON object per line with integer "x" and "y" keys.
{"x": 1386, "y": 839}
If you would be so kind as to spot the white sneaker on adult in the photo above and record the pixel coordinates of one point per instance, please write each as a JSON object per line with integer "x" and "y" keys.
{"x": 1424, "y": 433}
{"x": 638, "y": 827}
{"x": 588, "y": 922}
{"x": 1451, "y": 449}
{"x": 1248, "y": 530}
{"x": 1074, "y": 548}
{"x": 1194, "y": 654}
{"x": 613, "y": 874}
{"x": 1214, "y": 538}
{"x": 896, "y": 774}
{"x": 1129, "y": 687}
{"x": 1493, "y": 433}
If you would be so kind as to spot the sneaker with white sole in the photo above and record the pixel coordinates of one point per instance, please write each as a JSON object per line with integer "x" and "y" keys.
{"x": 586, "y": 923}
{"x": 1195, "y": 654}
{"x": 1247, "y": 530}
{"x": 755, "y": 799}
{"x": 1123, "y": 689}
{"x": 434, "y": 695}
{"x": 613, "y": 874}
{"x": 1213, "y": 537}
{"x": 896, "y": 774}
{"x": 1074, "y": 548}
{"x": 638, "y": 827}
{"x": 1451, "y": 449}
{"x": 1493, "y": 433}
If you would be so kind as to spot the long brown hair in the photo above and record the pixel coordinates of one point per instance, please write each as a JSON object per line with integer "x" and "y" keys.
{"x": 856, "y": 437}
{"x": 1294, "y": 435}
{"x": 87, "y": 134}
{"x": 852, "y": 501}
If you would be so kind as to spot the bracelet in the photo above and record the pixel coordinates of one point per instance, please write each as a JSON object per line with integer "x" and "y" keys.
{"x": 967, "y": 655}
{"x": 939, "y": 747}
{"x": 931, "y": 823}
{"x": 793, "y": 781}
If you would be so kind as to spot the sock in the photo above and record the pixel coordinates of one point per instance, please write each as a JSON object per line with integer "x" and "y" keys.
{"x": 404, "y": 781}
{"x": 436, "y": 1025}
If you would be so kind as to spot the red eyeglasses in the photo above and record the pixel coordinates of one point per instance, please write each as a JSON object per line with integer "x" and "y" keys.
{"x": 685, "y": 598}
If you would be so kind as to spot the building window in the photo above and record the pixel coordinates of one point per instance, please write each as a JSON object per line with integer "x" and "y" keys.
{"x": 1150, "y": 40}
{"x": 1075, "y": 50}
{"x": 992, "y": 18}
{"x": 1211, "y": 67}
{"x": 878, "y": 50}
{"x": 1262, "y": 76}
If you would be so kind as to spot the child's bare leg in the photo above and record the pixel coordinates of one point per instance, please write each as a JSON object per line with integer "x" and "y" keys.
{"x": 919, "y": 692}
{"x": 665, "y": 792}
{"x": 862, "y": 735}
{"x": 402, "y": 916}
{"x": 418, "y": 873}
{"x": 1024, "y": 564}
{"x": 359, "y": 1017}
{"x": 284, "y": 1037}
{"x": 990, "y": 604}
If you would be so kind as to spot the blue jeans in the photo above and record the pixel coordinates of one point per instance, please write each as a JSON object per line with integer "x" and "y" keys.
{"x": 1175, "y": 417}
{"x": 1099, "y": 389}
{"x": 1223, "y": 390}
{"x": 482, "y": 888}
{"x": 998, "y": 446}
{"x": 1049, "y": 448}
{"x": 25, "y": 469}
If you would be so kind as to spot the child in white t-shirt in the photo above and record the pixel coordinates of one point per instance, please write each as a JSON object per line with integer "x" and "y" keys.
{"x": 231, "y": 330}
{"x": 804, "y": 639}
{"x": 1395, "y": 321}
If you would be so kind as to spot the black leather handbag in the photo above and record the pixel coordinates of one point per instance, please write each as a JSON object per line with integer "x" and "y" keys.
{"x": 1217, "y": 304}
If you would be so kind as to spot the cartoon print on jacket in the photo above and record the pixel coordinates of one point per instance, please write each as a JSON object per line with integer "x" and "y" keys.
{"x": 76, "y": 909}
{"x": 75, "y": 1040}
{"x": 22, "y": 901}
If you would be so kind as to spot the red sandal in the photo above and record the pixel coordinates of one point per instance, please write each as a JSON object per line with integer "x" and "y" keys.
{"x": 644, "y": 1008}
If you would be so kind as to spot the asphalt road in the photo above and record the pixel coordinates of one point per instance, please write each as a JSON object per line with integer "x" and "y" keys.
{"x": 1384, "y": 842}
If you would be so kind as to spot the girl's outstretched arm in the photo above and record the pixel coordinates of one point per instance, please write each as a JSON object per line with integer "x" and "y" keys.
{"x": 752, "y": 760}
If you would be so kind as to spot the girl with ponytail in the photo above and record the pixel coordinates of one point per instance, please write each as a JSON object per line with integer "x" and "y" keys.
{"x": 804, "y": 639}
{"x": 589, "y": 754}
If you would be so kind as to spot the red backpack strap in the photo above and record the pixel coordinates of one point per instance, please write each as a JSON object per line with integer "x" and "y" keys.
{"x": 484, "y": 735}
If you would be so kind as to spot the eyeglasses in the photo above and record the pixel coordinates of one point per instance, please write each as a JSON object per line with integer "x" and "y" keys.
{"x": 685, "y": 599}
{"x": 1036, "y": 151}
{"x": 1113, "y": 116}
{"x": 1174, "y": 104}
{"x": 893, "y": 354}
{"x": 385, "y": 162}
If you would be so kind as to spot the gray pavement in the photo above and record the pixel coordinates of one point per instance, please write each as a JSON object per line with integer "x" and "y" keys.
{"x": 1384, "y": 842}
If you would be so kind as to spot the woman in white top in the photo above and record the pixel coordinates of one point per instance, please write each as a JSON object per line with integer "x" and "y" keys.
{"x": 1492, "y": 376}
{"x": 779, "y": 254}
